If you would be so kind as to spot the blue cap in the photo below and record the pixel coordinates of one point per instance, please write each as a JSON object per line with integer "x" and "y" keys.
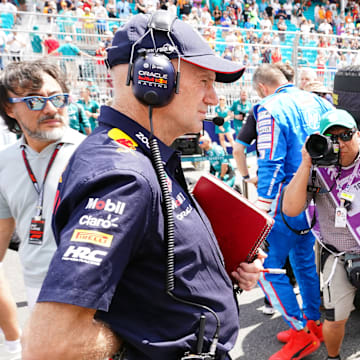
{"x": 191, "y": 46}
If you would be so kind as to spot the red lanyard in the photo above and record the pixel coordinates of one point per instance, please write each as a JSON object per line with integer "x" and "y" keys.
{"x": 40, "y": 191}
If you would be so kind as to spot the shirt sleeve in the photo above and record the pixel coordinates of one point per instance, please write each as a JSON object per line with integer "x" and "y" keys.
{"x": 5, "y": 212}
{"x": 272, "y": 148}
{"x": 98, "y": 240}
{"x": 248, "y": 131}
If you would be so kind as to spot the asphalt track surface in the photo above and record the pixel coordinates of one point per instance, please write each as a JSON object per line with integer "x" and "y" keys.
{"x": 257, "y": 336}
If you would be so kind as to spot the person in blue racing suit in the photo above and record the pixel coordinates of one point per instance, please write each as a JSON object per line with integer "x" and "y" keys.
{"x": 285, "y": 117}
{"x": 219, "y": 164}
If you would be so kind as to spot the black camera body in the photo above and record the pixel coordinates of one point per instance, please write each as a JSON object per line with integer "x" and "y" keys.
{"x": 323, "y": 150}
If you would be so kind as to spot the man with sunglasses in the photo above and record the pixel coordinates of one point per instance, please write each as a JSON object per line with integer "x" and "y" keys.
{"x": 33, "y": 101}
{"x": 336, "y": 192}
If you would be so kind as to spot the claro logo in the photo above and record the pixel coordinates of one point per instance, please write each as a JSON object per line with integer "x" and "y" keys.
{"x": 84, "y": 254}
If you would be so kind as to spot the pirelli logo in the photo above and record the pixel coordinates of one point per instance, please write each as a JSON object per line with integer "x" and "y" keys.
{"x": 92, "y": 237}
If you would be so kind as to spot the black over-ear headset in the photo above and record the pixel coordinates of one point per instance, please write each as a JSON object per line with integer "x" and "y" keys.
{"x": 154, "y": 79}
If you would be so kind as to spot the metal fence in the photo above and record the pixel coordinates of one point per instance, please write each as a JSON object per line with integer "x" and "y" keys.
{"x": 299, "y": 49}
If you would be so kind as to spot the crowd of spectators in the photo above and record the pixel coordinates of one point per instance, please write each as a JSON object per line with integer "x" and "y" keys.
{"x": 239, "y": 30}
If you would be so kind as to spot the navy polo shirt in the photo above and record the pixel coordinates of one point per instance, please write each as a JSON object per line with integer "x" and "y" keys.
{"x": 109, "y": 226}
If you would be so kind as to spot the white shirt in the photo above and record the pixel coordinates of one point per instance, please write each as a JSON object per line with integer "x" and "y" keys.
{"x": 8, "y": 7}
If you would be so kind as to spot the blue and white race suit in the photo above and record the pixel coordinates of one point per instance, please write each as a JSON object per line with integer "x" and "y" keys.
{"x": 284, "y": 120}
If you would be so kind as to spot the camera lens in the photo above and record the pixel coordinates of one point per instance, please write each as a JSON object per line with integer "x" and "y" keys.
{"x": 317, "y": 146}
{"x": 322, "y": 150}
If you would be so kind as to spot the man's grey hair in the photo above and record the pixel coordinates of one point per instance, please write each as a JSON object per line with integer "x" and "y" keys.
{"x": 268, "y": 74}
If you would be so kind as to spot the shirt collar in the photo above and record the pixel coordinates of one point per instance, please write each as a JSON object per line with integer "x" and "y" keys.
{"x": 114, "y": 118}
{"x": 284, "y": 87}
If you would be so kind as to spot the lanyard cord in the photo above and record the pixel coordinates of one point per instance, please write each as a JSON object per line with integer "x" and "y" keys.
{"x": 38, "y": 189}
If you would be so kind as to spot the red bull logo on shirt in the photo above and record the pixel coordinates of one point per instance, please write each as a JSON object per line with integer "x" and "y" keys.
{"x": 126, "y": 142}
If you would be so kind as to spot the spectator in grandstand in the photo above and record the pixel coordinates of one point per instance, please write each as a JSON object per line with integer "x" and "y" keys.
{"x": 118, "y": 184}
{"x": 298, "y": 14}
{"x": 225, "y": 21}
{"x": 194, "y": 17}
{"x": 276, "y": 55}
{"x": 337, "y": 219}
{"x": 184, "y": 7}
{"x": 50, "y": 9}
{"x": 101, "y": 16}
{"x": 224, "y": 130}
{"x": 219, "y": 165}
{"x": 91, "y": 107}
{"x": 88, "y": 22}
{"x": 306, "y": 75}
{"x": 8, "y": 13}
{"x": 123, "y": 9}
{"x": 239, "y": 110}
{"x": 305, "y": 30}
{"x": 325, "y": 27}
{"x": 254, "y": 18}
{"x": 205, "y": 18}
{"x": 51, "y": 44}
{"x": 320, "y": 63}
{"x": 270, "y": 11}
{"x": 265, "y": 23}
{"x": 262, "y": 7}
{"x": 26, "y": 197}
{"x": 349, "y": 25}
{"x": 265, "y": 51}
{"x": 78, "y": 119}
{"x": 217, "y": 15}
{"x": 111, "y": 11}
{"x": 15, "y": 46}
{"x": 281, "y": 13}
{"x": 286, "y": 116}
{"x": 288, "y": 9}
{"x": 36, "y": 41}
{"x": 281, "y": 26}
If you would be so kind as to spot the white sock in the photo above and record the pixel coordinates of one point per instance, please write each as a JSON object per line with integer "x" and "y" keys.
{"x": 13, "y": 346}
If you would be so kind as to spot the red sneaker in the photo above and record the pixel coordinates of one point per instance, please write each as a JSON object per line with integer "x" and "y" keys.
{"x": 315, "y": 329}
{"x": 284, "y": 336}
{"x": 301, "y": 344}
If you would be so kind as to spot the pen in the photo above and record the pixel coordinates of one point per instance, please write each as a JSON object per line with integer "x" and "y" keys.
{"x": 274, "y": 271}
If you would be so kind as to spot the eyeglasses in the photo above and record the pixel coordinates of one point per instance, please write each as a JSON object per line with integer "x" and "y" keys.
{"x": 345, "y": 136}
{"x": 39, "y": 102}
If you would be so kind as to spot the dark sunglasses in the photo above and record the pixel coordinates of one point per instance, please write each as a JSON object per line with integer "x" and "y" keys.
{"x": 345, "y": 136}
{"x": 38, "y": 102}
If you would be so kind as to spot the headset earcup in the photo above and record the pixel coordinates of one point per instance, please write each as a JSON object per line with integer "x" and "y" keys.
{"x": 153, "y": 79}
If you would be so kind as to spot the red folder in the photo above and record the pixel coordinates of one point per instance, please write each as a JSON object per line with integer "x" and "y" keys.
{"x": 239, "y": 226}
